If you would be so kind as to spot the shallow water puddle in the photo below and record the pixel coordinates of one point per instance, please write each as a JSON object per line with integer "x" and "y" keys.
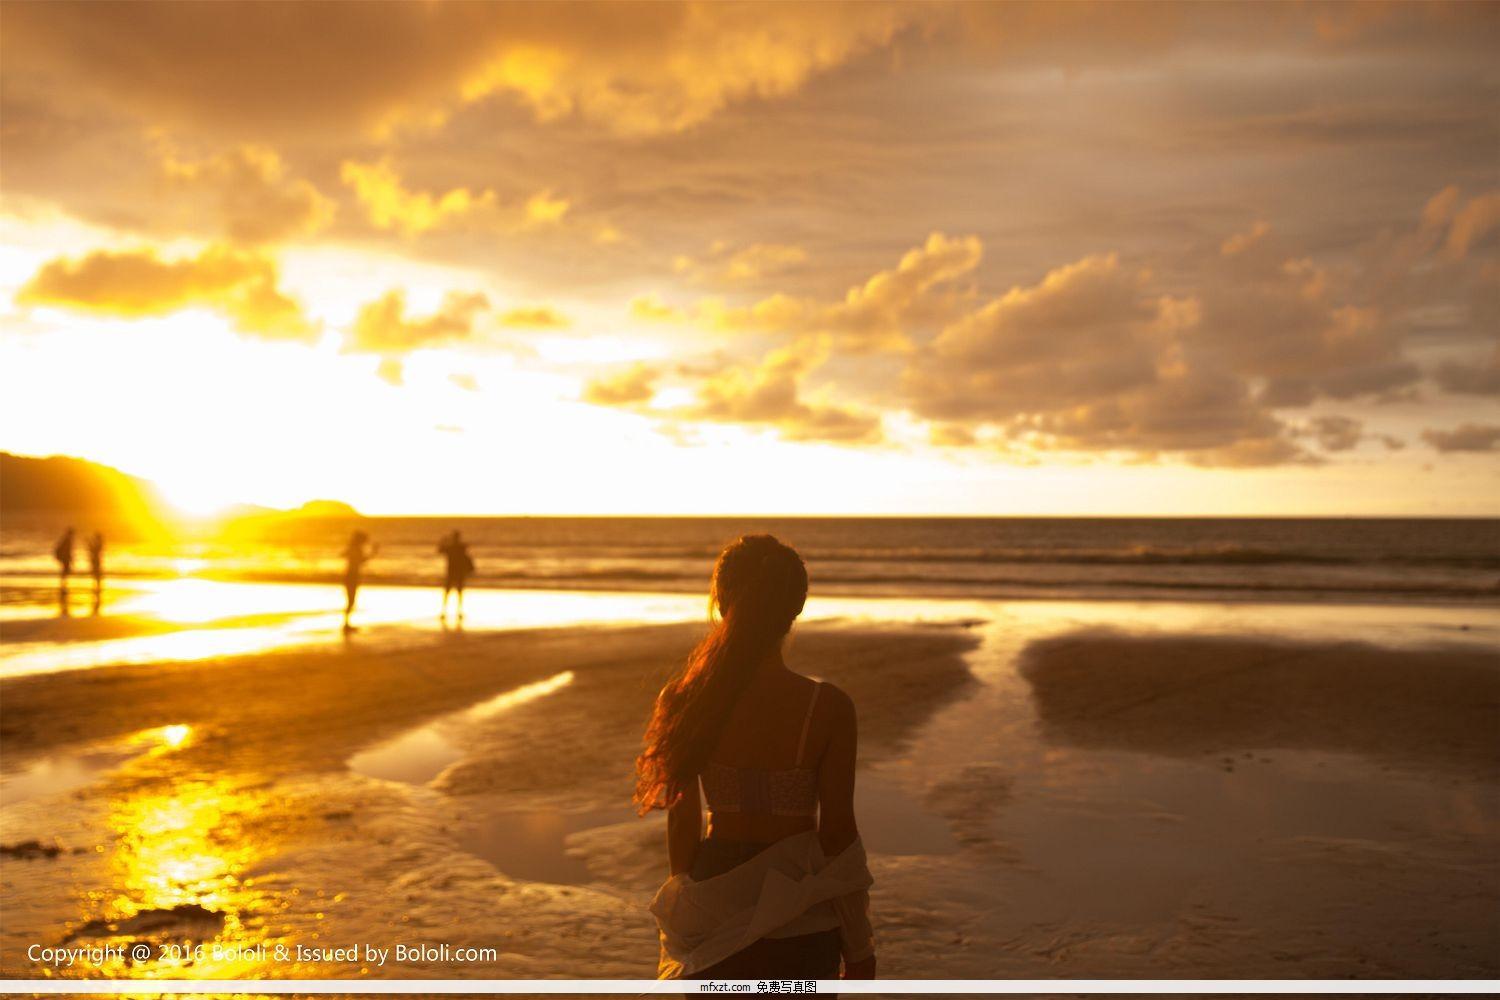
{"x": 531, "y": 844}
{"x": 892, "y": 821}
{"x": 56, "y": 775}
{"x": 61, "y": 773}
{"x": 414, "y": 758}
{"x": 419, "y": 755}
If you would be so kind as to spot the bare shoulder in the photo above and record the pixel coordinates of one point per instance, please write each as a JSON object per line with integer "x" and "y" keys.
{"x": 837, "y": 704}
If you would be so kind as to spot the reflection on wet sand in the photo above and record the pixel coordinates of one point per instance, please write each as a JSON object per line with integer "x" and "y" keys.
{"x": 179, "y": 872}
{"x": 176, "y": 852}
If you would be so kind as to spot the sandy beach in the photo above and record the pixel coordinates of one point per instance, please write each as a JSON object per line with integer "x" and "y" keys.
{"x": 1047, "y": 789}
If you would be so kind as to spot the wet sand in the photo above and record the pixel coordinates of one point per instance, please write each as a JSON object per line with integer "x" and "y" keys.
{"x": 1188, "y": 696}
{"x": 1065, "y": 790}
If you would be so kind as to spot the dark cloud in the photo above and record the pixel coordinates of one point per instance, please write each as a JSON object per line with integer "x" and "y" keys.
{"x": 1479, "y": 377}
{"x": 1465, "y": 437}
{"x": 1335, "y": 433}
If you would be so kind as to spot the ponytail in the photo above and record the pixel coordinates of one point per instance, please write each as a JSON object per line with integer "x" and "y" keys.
{"x": 759, "y": 588}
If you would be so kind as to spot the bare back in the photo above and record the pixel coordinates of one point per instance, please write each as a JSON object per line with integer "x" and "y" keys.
{"x": 775, "y": 727}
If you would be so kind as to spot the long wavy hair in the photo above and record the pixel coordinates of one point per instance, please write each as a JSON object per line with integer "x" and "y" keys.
{"x": 759, "y": 588}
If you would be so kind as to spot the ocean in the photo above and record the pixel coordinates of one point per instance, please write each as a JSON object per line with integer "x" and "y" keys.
{"x": 1215, "y": 559}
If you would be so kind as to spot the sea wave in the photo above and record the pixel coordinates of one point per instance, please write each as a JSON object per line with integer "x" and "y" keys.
{"x": 1473, "y": 588}
{"x": 1142, "y": 555}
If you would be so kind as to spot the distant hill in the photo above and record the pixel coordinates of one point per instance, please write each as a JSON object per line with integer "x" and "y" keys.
{"x": 325, "y": 508}
{"x": 62, "y": 485}
{"x": 74, "y": 486}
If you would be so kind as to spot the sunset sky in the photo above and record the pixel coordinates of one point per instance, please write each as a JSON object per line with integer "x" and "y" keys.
{"x": 722, "y": 258}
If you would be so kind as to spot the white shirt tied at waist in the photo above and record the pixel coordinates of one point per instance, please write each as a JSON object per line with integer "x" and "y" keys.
{"x": 787, "y": 889}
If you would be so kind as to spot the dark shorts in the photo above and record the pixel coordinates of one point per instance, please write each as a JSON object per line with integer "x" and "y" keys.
{"x": 806, "y": 956}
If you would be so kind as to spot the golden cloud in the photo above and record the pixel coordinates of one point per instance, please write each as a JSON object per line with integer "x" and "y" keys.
{"x": 257, "y": 201}
{"x": 1089, "y": 359}
{"x": 630, "y": 68}
{"x": 657, "y": 68}
{"x": 770, "y": 394}
{"x": 1473, "y": 223}
{"x": 628, "y": 387}
{"x": 383, "y": 326}
{"x": 135, "y": 283}
{"x": 607, "y": 234}
{"x": 390, "y": 205}
{"x": 653, "y": 310}
{"x": 543, "y": 208}
{"x": 1086, "y": 329}
{"x": 877, "y": 315}
{"x": 747, "y": 263}
{"x": 541, "y": 317}
{"x": 764, "y": 394}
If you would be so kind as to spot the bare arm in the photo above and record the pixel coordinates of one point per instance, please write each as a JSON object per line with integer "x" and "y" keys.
{"x": 836, "y": 826}
{"x": 684, "y": 830}
{"x": 837, "y": 829}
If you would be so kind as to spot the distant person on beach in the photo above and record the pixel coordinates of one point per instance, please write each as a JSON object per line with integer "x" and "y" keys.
{"x": 774, "y": 752}
{"x": 96, "y": 567}
{"x": 63, "y": 553}
{"x": 460, "y": 565}
{"x": 358, "y": 552}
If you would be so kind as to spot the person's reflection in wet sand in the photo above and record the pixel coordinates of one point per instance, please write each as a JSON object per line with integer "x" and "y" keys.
{"x": 63, "y": 553}
{"x": 358, "y": 552}
{"x": 96, "y": 568}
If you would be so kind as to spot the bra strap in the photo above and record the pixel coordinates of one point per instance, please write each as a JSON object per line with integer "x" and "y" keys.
{"x": 802, "y": 741}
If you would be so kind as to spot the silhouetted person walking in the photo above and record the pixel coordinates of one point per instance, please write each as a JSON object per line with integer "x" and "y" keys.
{"x": 96, "y": 567}
{"x": 460, "y": 567}
{"x": 63, "y": 553}
{"x": 358, "y": 552}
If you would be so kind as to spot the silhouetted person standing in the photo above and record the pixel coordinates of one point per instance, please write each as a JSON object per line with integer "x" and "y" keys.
{"x": 358, "y": 552}
{"x": 460, "y": 566}
{"x": 63, "y": 553}
{"x": 96, "y": 567}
